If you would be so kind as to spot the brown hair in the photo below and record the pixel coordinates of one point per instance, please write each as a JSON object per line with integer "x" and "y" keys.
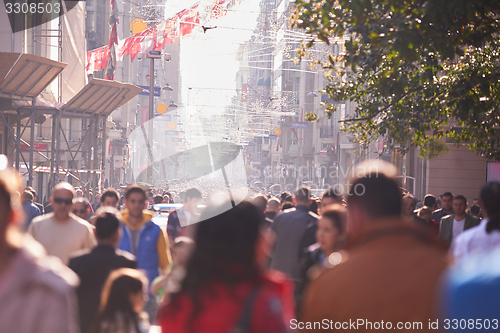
{"x": 337, "y": 214}
{"x": 460, "y": 197}
{"x": 424, "y": 210}
{"x": 134, "y": 188}
{"x": 110, "y": 192}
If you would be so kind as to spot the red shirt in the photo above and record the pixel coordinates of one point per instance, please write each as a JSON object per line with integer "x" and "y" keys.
{"x": 221, "y": 308}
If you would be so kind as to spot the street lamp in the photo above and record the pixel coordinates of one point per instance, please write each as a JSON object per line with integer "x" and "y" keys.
{"x": 152, "y": 55}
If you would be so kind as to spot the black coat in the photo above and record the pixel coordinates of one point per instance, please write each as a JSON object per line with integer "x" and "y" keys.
{"x": 93, "y": 268}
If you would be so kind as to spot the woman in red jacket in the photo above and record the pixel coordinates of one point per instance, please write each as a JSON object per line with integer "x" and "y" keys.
{"x": 225, "y": 288}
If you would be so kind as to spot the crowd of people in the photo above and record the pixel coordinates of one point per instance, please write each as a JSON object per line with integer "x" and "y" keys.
{"x": 371, "y": 259}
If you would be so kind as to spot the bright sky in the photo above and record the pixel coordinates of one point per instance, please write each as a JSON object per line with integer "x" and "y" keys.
{"x": 208, "y": 60}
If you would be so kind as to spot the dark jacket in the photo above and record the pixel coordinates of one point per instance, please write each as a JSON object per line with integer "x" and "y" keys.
{"x": 290, "y": 227}
{"x": 311, "y": 265}
{"x": 446, "y": 226}
{"x": 438, "y": 214}
{"x": 93, "y": 268}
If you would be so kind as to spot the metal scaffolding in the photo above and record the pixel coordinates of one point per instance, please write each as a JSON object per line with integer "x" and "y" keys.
{"x": 25, "y": 76}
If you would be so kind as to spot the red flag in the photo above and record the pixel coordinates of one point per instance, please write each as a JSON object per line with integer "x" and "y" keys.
{"x": 89, "y": 55}
{"x": 98, "y": 60}
{"x": 113, "y": 37}
{"x": 105, "y": 57}
{"x": 189, "y": 20}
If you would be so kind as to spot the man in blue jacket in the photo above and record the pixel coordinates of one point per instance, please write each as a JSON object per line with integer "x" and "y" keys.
{"x": 143, "y": 238}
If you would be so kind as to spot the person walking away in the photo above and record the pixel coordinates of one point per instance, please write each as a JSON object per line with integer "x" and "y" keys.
{"x": 430, "y": 201}
{"x": 30, "y": 210}
{"x": 426, "y": 214}
{"x": 453, "y": 225}
{"x": 143, "y": 238}
{"x": 40, "y": 206}
{"x": 273, "y": 208}
{"x": 289, "y": 227}
{"x": 123, "y": 299}
{"x": 486, "y": 235}
{"x": 388, "y": 271}
{"x": 61, "y": 233}
{"x": 36, "y": 292}
{"x": 93, "y": 266}
{"x": 225, "y": 288}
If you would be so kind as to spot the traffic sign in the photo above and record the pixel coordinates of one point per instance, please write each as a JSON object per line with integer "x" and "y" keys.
{"x": 299, "y": 125}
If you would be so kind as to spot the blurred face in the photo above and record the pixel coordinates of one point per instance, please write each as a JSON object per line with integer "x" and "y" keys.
{"x": 62, "y": 201}
{"x": 459, "y": 207}
{"x": 408, "y": 206}
{"x": 79, "y": 193}
{"x": 4, "y": 223}
{"x": 180, "y": 254}
{"x": 80, "y": 210}
{"x": 135, "y": 203}
{"x": 110, "y": 201}
{"x": 447, "y": 203}
{"x": 325, "y": 202}
{"x": 191, "y": 203}
{"x": 327, "y": 235}
{"x": 263, "y": 246}
{"x": 138, "y": 300}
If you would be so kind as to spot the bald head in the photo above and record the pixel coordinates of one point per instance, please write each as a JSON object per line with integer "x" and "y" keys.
{"x": 62, "y": 200}
{"x": 65, "y": 187}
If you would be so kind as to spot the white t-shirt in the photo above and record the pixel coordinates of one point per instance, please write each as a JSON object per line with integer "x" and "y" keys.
{"x": 62, "y": 239}
{"x": 476, "y": 240}
{"x": 458, "y": 227}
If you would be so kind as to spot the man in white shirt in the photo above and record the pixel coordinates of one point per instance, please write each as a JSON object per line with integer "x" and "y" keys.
{"x": 487, "y": 235}
{"x": 453, "y": 225}
{"x": 61, "y": 232}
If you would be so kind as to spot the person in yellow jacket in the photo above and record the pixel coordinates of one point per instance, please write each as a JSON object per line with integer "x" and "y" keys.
{"x": 143, "y": 238}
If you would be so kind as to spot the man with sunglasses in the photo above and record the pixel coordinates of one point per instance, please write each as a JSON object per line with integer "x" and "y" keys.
{"x": 81, "y": 208}
{"x": 61, "y": 232}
